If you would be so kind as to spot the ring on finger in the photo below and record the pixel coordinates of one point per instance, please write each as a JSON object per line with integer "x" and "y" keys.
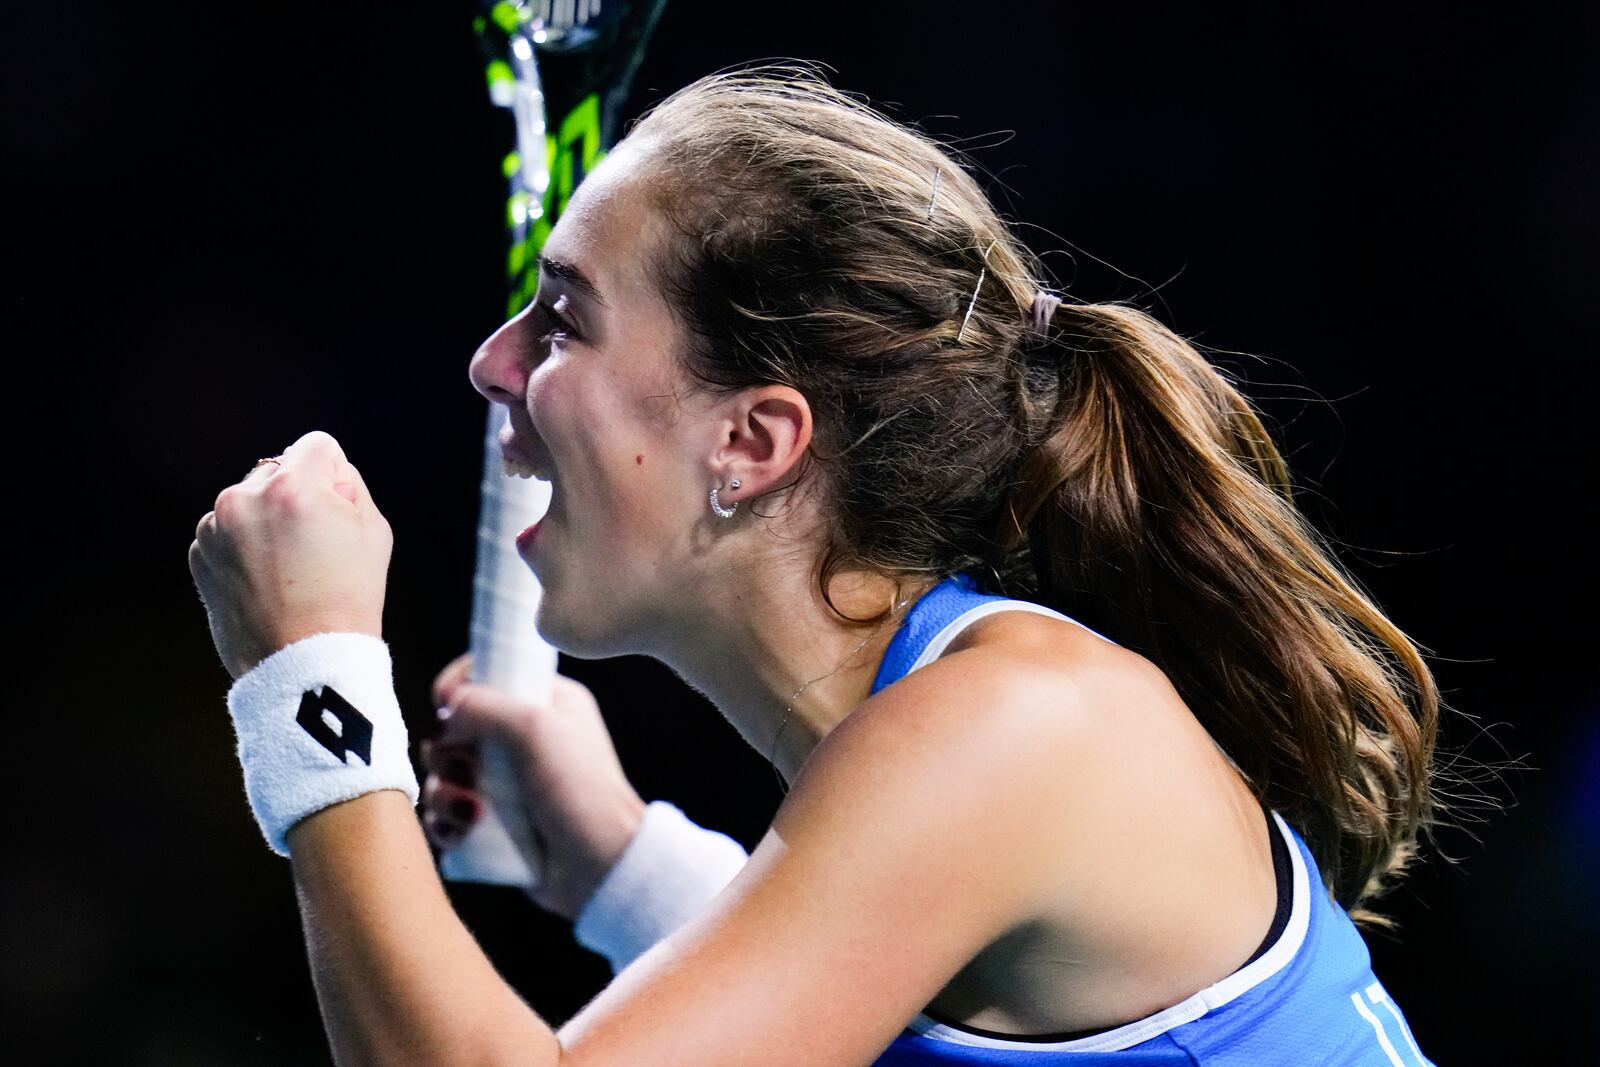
{"x": 264, "y": 461}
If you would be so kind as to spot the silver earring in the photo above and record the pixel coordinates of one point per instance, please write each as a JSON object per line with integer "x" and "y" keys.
{"x": 722, "y": 512}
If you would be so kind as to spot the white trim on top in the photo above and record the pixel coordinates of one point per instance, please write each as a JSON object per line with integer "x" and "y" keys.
{"x": 1214, "y": 996}
{"x": 952, "y": 629}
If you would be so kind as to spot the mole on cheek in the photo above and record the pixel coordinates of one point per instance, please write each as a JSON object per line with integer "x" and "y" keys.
{"x": 639, "y": 460}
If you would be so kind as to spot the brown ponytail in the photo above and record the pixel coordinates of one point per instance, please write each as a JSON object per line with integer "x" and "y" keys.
{"x": 1158, "y": 510}
{"x": 1109, "y": 471}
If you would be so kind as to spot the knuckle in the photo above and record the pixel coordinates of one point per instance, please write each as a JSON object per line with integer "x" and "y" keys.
{"x": 226, "y": 503}
{"x": 569, "y": 694}
{"x": 319, "y": 442}
{"x": 451, "y": 676}
{"x": 284, "y": 491}
{"x": 283, "y": 483}
{"x": 483, "y": 704}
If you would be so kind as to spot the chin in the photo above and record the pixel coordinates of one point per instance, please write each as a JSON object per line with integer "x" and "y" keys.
{"x": 581, "y": 634}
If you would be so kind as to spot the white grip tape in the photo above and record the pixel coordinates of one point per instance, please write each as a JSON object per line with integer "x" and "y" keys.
{"x": 668, "y": 873}
{"x": 318, "y": 723}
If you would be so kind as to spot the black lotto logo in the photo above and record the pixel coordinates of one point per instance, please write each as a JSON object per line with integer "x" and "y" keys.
{"x": 355, "y": 729}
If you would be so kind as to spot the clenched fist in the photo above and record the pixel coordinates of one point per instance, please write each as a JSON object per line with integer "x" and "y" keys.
{"x": 296, "y": 548}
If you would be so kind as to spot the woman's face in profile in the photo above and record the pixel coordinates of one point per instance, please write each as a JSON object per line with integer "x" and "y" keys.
{"x": 600, "y": 406}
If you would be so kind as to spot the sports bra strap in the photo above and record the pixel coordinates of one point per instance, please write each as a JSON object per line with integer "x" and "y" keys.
{"x": 939, "y": 617}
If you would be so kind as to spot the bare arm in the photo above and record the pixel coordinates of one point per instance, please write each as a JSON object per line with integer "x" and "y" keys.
{"x": 399, "y": 978}
{"x": 875, "y": 836}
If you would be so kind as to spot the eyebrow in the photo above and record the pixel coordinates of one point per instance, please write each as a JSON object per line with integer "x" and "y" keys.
{"x": 569, "y": 273}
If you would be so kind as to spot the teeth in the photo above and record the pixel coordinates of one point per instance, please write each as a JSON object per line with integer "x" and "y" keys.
{"x": 512, "y": 468}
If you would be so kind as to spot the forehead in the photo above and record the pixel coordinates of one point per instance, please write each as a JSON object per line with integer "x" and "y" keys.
{"x": 611, "y": 232}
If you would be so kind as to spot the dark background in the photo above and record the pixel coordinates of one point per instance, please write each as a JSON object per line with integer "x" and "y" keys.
{"x": 230, "y": 224}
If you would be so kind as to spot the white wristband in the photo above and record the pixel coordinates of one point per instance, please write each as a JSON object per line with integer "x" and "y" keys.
{"x": 668, "y": 873}
{"x": 318, "y": 723}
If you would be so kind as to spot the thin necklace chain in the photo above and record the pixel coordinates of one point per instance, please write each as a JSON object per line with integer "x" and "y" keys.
{"x": 788, "y": 709}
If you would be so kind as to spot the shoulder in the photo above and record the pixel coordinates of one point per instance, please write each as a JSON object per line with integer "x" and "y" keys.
{"x": 937, "y": 818}
{"x": 1011, "y": 677}
{"x": 1023, "y": 736}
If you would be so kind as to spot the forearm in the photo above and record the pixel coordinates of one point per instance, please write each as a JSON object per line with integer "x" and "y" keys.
{"x": 398, "y": 977}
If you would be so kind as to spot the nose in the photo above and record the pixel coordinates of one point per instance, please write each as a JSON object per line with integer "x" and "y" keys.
{"x": 501, "y": 365}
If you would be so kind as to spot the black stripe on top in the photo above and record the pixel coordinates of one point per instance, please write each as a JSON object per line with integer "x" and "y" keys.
{"x": 1282, "y": 873}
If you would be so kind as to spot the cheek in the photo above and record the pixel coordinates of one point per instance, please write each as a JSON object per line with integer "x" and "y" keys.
{"x": 546, "y": 386}
{"x": 573, "y": 418}
{"x": 615, "y": 440}
{"x": 648, "y": 474}
{"x": 605, "y": 456}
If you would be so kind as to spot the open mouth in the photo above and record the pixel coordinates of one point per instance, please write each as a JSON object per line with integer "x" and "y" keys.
{"x": 514, "y": 459}
{"x": 516, "y": 467}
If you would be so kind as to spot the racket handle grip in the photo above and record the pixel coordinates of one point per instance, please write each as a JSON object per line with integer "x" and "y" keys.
{"x": 507, "y": 653}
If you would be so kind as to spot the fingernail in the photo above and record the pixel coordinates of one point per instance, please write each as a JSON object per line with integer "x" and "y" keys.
{"x": 464, "y": 810}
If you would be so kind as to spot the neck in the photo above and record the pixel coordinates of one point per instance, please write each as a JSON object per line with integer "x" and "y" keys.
{"x": 782, "y": 667}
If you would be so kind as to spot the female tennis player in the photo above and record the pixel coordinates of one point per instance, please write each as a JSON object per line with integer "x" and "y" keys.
{"x": 1095, "y": 754}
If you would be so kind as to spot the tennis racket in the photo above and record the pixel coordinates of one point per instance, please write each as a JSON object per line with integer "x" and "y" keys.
{"x": 563, "y": 68}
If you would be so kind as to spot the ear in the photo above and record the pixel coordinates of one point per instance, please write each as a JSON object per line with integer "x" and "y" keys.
{"x": 767, "y": 430}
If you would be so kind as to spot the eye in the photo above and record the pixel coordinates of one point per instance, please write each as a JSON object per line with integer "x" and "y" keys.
{"x": 558, "y": 326}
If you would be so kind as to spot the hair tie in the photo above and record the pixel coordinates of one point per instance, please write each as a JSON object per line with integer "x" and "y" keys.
{"x": 1044, "y": 306}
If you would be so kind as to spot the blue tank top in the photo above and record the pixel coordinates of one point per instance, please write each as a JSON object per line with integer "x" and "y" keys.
{"x": 1308, "y": 996}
